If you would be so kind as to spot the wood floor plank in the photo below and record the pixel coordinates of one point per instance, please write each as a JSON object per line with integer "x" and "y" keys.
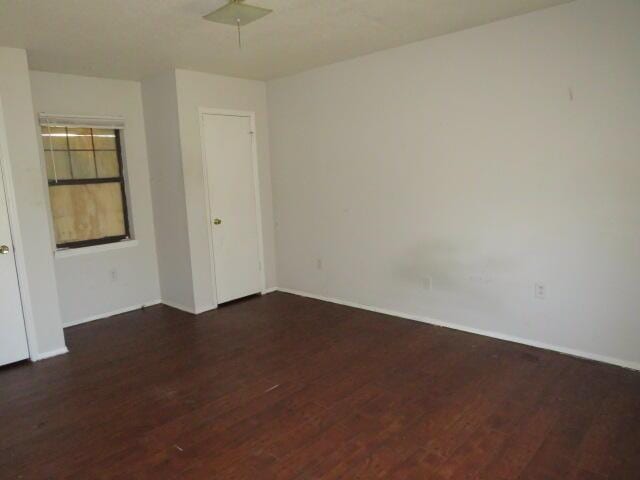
{"x": 284, "y": 387}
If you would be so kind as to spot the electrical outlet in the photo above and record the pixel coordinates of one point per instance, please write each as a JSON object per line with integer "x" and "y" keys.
{"x": 113, "y": 274}
{"x": 427, "y": 283}
{"x": 540, "y": 291}
{"x": 319, "y": 264}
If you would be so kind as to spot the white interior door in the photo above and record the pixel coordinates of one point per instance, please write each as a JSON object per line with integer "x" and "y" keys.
{"x": 228, "y": 145}
{"x": 13, "y": 338}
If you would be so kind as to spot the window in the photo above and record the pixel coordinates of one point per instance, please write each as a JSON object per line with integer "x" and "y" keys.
{"x": 86, "y": 183}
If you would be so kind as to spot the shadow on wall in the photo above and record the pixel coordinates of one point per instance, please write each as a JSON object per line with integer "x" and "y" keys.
{"x": 460, "y": 274}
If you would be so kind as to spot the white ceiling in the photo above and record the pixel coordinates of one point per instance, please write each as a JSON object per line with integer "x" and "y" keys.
{"x": 135, "y": 38}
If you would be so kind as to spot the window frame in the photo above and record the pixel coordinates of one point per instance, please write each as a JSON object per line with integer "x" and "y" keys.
{"x": 121, "y": 180}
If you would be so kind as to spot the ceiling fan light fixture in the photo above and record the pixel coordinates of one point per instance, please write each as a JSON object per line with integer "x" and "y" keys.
{"x": 237, "y": 13}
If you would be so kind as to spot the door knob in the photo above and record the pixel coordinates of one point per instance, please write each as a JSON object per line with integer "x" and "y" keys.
{"x": 217, "y": 221}
{"x": 4, "y": 250}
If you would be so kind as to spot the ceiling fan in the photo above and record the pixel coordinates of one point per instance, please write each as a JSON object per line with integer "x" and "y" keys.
{"x": 237, "y": 13}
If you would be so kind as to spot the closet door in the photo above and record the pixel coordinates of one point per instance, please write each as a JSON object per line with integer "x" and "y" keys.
{"x": 228, "y": 156}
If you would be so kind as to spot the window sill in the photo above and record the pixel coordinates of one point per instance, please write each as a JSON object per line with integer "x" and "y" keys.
{"x": 74, "y": 252}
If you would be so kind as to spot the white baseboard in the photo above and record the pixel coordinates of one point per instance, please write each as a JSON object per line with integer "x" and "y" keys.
{"x": 178, "y": 306}
{"x": 419, "y": 318}
{"x": 112, "y": 313}
{"x": 206, "y": 308}
{"x": 49, "y": 354}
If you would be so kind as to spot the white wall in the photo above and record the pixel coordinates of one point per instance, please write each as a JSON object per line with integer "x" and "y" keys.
{"x": 86, "y": 285}
{"x": 444, "y": 178}
{"x": 42, "y": 311}
{"x": 197, "y": 90}
{"x": 169, "y": 204}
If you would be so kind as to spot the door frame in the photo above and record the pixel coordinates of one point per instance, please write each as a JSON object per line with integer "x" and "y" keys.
{"x": 202, "y": 111}
{"x": 6, "y": 177}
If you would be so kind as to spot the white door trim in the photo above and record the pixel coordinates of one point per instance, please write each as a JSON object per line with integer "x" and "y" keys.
{"x": 202, "y": 111}
{"x": 25, "y": 297}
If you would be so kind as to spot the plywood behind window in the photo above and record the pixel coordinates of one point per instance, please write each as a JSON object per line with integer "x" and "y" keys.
{"x": 54, "y": 138}
{"x": 58, "y": 165}
{"x": 87, "y": 212}
{"x": 85, "y": 185}
{"x": 83, "y": 164}
{"x": 107, "y": 163}
{"x": 80, "y": 139}
{"x": 104, "y": 139}
{"x": 73, "y": 153}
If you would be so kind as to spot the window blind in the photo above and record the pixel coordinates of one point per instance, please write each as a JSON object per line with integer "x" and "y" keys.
{"x": 52, "y": 120}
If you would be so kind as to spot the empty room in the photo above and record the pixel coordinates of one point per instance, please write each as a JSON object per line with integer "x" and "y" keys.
{"x": 320, "y": 239}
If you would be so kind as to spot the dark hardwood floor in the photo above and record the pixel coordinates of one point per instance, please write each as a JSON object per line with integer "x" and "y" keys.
{"x": 283, "y": 387}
